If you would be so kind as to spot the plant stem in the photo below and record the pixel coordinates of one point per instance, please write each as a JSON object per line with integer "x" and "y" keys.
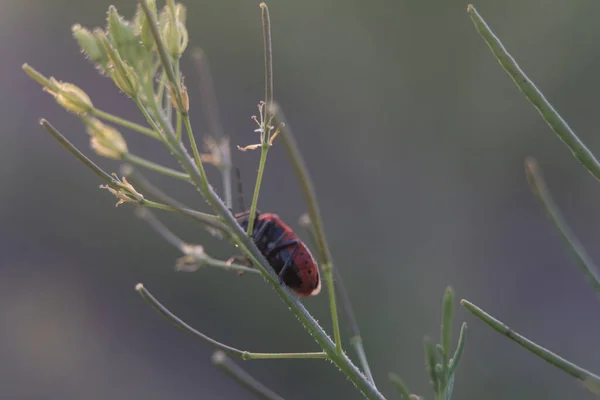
{"x": 552, "y": 118}
{"x": 65, "y": 143}
{"x": 178, "y": 124}
{"x": 198, "y": 177}
{"x": 254, "y": 205}
{"x": 400, "y": 386}
{"x": 315, "y": 216}
{"x": 460, "y": 347}
{"x": 155, "y": 167}
{"x": 125, "y": 123}
{"x": 188, "y": 128}
{"x": 244, "y": 355}
{"x": 577, "y": 372}
{"x": 583, "y": 260}
{"x": 243, "y": 378}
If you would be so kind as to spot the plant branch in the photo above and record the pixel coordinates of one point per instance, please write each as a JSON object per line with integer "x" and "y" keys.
{"x": 589, "y": 379}
{"x": 462, "y": 338}
{"x": 266, "y": 125}
{"x": 125, "y": 123}
{"x": 582, "y": 259}
{"x": 132, "y": 158}
{"x": 243, "y": 378}
{"x": 315, "y": 217}
{"x": 244, "y": 355}
{"x": 64, "y": 142}
{"x": 533, "y": 94}
{"x": 196, "y": 252}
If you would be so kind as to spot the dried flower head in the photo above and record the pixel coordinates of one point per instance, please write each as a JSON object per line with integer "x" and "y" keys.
{"x": 124, "y": 191}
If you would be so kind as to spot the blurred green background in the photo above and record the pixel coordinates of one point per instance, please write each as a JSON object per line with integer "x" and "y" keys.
{"x": 415, "y": 138}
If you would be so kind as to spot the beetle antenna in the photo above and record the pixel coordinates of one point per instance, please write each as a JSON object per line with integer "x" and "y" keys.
{"x": 238, "y": 177}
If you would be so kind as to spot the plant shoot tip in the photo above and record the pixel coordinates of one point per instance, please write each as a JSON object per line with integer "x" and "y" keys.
{"x": 470, "y": 8}
{"x": 139, "y": 287}
{"x": 463, "y": 302}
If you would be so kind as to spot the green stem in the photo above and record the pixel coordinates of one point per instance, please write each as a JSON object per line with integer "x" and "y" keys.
{"x": 462, "y": 338}
{"x": 589, "y": 379}
{"x": 155, "y": 167}
{"x": 125, "y": 123}
{"x": 188, "y": 128}
{"x": 552, "y": 118}
{"x": 65, "y": 143}
{"x": 243, "y": 378}
{"x": 315, "y": 215}
{"x": 356, "y": 342}
{"x": 583, "y": 260}
{"x": 178, "y": 126}
{"x": 400, "y": 386}
{"x": 244, "y": 355}
{"x": 254, "y": 205}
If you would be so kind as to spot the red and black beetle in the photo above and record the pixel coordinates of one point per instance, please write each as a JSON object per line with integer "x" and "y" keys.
{"x": 285, "y": 252}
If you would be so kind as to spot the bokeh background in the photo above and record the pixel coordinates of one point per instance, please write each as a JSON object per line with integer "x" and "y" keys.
{"x": 415, "y": 138}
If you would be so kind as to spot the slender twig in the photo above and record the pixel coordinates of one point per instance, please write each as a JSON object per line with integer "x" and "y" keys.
{"x": 210, "y": 109}
{"x": 577, "y": 372}
{"x": 160, "y": 228}
{"x": 64, "y": 142}
{"x": 165, "y": 59}
{"x": 460, "y": 347}
{"x": 132, "y": 158}
{"x": 200, "y": 257}
{"x": 315, "y": 216}
{"x": 533, "y": 94}
{"x": 243, "y": 378}
{"x": 244, "y": 355}
{"x": 400, "y": 386}
{"x": 582, "y": 259}
{"x": 266, "y": 125}
{"x": 145, "y": 186}
{"x": 446, "y": 333}
{"x": 125, "y": 123}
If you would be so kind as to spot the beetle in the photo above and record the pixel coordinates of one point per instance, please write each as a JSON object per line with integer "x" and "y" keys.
{"x": 289, "y": 257}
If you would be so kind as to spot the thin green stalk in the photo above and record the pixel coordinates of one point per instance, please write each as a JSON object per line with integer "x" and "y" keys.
{"x": 552, "y": 118}
{"x": 125, "y": 123}
{"x": 243, "y": 378}
{"x": 65, "y": 143}
{"x": 265, "y": 135}
{"x": 254, "y": 205}
{"x": 315, "y": 216}
{"x": 244, "y": 355}
{"x": 178, "y": 125}
{"x": 132, "y": 158}
{"x": 165, "y": 59}
{"x": 400, "y": 386}
{"x": 582, "y": 259}
{"x": 590, "y": 380}
{"x": 207, "y": 220}
{"x": 203, "y": 259}
{"x": 356, "y": 342}
{"x": 188, "y": 128}
{"x": 462, "y": 338}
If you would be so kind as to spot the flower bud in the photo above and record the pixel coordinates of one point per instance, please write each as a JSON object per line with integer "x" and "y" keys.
{"x": 71, "y": 97}
{"x": 90, "y": 45}
{"x": 105, "y": 140}
{"x": 121, "y": 73}
{"x": 173, "y": 31}
{"x": 142, "y": 25}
